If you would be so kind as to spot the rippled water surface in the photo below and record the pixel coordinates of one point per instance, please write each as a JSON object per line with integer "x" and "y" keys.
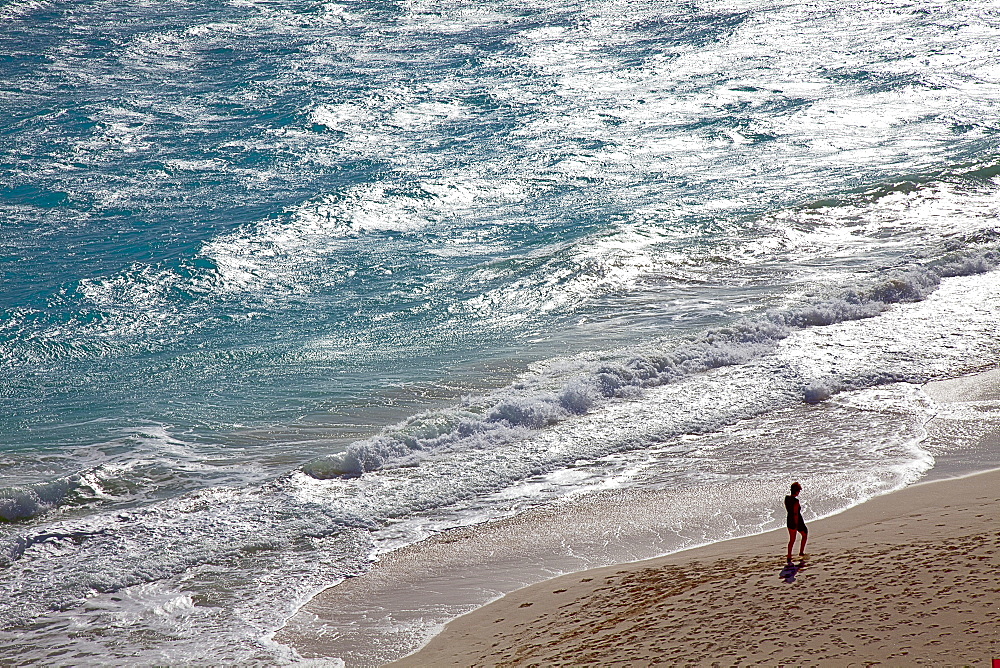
{"x": 284, "y": 285}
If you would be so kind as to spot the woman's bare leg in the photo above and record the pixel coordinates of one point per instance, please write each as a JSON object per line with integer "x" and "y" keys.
{"x": 791, "y": 542}
{"x": 802, "y": 546}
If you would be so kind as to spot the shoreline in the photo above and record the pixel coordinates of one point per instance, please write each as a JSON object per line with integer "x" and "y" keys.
{"x": 911, "y": 576}
{"x": 375, "y": 614}
{"x": 911, "y": 508}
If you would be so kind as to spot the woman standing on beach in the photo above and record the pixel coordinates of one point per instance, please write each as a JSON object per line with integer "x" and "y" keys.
{"x": 794, "y": 521}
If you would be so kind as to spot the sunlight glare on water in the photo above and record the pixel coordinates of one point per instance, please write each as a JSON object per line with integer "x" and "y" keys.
{"x": 286, "y": 285}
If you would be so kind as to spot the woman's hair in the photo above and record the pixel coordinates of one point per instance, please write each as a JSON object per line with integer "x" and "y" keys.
{"x": 796, "y": 487}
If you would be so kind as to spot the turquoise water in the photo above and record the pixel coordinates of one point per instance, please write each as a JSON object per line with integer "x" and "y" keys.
{"x": 279, "y": 278}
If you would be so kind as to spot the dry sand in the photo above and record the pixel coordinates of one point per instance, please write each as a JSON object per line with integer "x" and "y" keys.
{"x": 912, "y": 577}
{"x": 908, "y": 578}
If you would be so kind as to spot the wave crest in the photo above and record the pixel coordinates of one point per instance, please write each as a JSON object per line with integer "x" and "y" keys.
{"x": 582, "y": 385}
{"x": 27, "y": 501}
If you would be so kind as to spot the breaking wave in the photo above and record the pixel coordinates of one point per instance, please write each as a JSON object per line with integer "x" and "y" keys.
{"x": 101, "y": 483}
{"x": 534, "y": 403}
{"x": 20, "y": 503}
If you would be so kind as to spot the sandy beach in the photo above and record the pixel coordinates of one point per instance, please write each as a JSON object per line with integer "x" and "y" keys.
{"x": 910, "y": 577}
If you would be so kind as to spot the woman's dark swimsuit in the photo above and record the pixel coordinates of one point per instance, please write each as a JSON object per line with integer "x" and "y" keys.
{"x": 794, "y": 520}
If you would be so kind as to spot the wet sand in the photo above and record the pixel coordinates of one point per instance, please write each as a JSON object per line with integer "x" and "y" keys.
{"x": 908, "y": 578}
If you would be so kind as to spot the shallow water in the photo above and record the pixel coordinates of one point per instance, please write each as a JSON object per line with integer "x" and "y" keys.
{"x": 288, "y": 285}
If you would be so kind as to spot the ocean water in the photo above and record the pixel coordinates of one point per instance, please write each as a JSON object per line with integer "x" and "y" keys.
{"x": 288, "y": 285}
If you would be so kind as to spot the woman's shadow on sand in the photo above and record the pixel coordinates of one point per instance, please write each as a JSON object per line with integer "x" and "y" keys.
{"x": 790, "y": 570}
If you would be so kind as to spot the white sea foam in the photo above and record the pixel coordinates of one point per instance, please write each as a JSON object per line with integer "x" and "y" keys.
{"x": 548, "y": 437}
{"x": 538, "y": 402}
{"x": 18, "y": 503}
{"x": 618, "y": 165}
{"x": 288, "y": 255}
{"x": 274, "y": 255}
{"x": 17, "y": 9}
